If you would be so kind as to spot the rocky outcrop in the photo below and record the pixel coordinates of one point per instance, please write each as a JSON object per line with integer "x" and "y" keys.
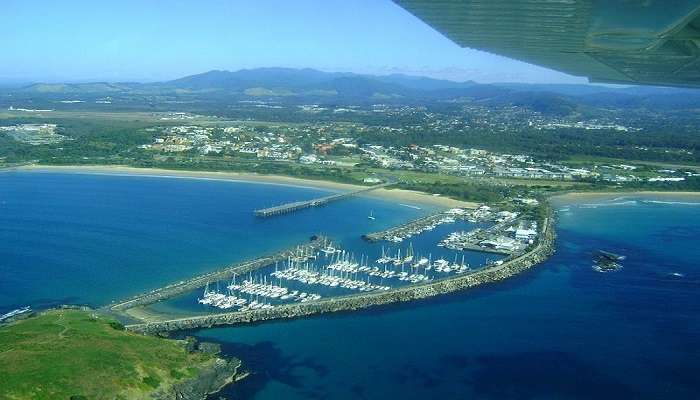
{"x": 210, "y": 380}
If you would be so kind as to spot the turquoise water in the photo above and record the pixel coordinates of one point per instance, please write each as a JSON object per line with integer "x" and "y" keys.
{"x": 559, "y": 331}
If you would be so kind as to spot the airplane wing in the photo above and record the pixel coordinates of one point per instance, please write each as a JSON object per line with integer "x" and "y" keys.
{"x": 654, "y": 42}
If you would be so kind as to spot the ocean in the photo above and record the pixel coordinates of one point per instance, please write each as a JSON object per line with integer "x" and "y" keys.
{"x": 558, "y": 331}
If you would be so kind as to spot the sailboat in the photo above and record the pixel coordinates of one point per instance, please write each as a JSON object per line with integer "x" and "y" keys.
{"x": 409, "y": 254}
{"x": 371, "y": 215}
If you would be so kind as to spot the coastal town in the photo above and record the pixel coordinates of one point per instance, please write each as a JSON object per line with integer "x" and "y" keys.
{"x": 33, "y": 134}
{"x": 331, "y": 145}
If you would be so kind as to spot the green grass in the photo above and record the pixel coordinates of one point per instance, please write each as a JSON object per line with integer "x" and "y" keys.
{"x": 557, "y": 184}
{"x": 64, "y": 353}
{"x": 417, "y": 176}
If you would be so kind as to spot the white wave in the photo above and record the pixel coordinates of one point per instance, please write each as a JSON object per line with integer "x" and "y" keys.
{"x": 610, "y": 204}
{"x": 617, "y": 199}
{"x": 677, "y": 203}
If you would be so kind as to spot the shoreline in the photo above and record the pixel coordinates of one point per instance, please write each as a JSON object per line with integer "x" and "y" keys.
{"x": 578, "y": 197}
{"x": 398, "y": 195}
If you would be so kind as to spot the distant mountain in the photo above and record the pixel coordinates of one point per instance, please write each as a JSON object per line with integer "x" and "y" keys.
{"x": 287, "y": 78}
{"x": 586, "y": 90}
{"x": 270, "y": 82}
{"x": 565, "y": 89}
{"x": 547, "y": 103}
{"x": 305, "y": 79}
{"x": 364, "y": 86}
{"x": 94, "y": 87}
{"x": 309, "y": 85}
{"x": 422, "y": 82}
{"x": 9, "y": 83}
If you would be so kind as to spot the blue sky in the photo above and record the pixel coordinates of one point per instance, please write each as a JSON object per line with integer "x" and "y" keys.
{"x": 150, "y": 40}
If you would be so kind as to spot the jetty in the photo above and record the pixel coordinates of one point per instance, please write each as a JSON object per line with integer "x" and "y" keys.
{"x": 163, "y": 293}
{"x": 317, "y": 202}
{"x": 511, "y": 266}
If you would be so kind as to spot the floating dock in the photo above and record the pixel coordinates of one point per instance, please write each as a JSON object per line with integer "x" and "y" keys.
{"x": 175, "y": 289}
{"x": 321, "y": 201}
{"x": 405, "y": 229}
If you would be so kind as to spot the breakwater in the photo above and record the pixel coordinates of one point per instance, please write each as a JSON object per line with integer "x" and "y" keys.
{"x": 299, "y": 205}
{"x": 175, "y": 289}
{"x": 510, "y": 267}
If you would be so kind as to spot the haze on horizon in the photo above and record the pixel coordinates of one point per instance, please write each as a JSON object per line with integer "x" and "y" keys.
{"x": 132, "y": 40}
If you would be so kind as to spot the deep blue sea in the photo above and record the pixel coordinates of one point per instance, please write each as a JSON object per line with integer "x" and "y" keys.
{"x": 559, "y": 331}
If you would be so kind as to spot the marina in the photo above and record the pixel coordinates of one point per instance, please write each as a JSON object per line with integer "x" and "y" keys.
{"x": 494, "y": 272}
{"x": 321, "y": 201}
{"x": 324, "y": 276}
{"x": 330, "y": 272}
{"x": 258, "y": 296}
{"x": 328, "y": 278}
{"x": 509, "y": 235}
{"x": 405, "y": 231}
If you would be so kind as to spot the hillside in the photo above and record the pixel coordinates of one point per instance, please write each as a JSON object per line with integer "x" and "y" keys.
{"x": 73, "y": 354}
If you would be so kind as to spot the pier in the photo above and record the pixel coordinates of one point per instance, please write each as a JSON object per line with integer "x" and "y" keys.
{"x": 321, "y": 201}
{"x": 510, "y": 267}
{"x": 178, "y": 288}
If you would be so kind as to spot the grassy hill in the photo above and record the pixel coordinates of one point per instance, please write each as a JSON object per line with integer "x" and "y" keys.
{"x": 73, "y": 354}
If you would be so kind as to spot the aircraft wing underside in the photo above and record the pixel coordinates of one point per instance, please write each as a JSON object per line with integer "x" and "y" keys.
{"x": 617, "y": 41}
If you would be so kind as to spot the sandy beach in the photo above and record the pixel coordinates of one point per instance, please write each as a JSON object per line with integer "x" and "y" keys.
{"x": 400, "y": 196}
